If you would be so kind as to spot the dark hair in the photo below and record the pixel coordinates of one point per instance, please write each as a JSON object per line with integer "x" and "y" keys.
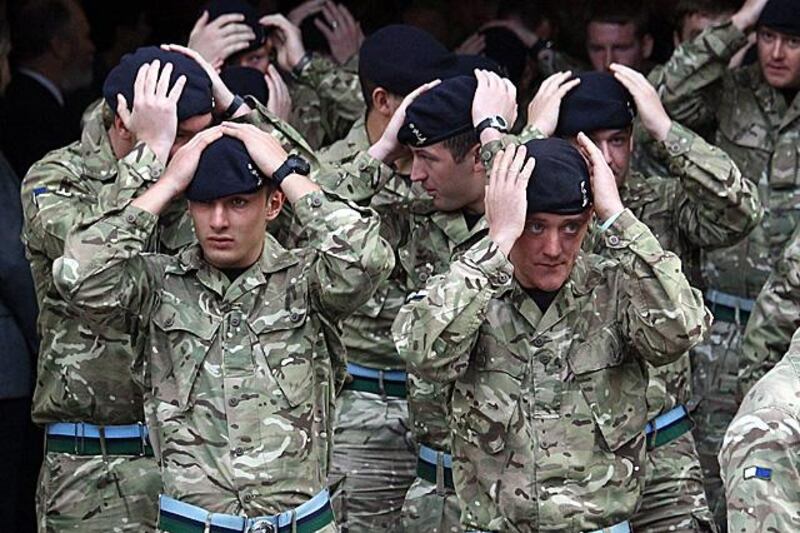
{"x": 34, "y": 23}
{"x": 460, "y": 145}
{"x": 367, "y": 88}
{"x": 621, "y": 12}
{"x": 684, "y": 8}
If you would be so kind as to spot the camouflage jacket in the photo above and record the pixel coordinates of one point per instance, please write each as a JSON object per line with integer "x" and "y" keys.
{"x": 242, "y": 374}
{"x": 760, "y": 456}
{"x": 79, "y": 367}
{"x": 758, "y": 129}
{"x": 548, "y": 411}
{"x": 774, "y": 319}
{"x": 326, "y": 100}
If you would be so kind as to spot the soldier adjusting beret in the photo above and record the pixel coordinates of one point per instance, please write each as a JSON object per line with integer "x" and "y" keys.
{"x": 246, "y": 81}
{"x": 225, "y": 168}
{"x": 217, "y": 8}
{"x": 560, "y": 182}
{"x": 196, "y": 98}
{"x": 439, "y": 113}
{"x": 782, "y": 16}
{"x": 599, "y": 102}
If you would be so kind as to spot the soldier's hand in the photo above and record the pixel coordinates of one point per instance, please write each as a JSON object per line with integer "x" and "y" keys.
{"x": 343, "y": 33}
{"x": 222, "y": 37}
{"x": 154, "y": 119}
{"x": 311, "y": 7}
{"x": 747, "y": 16}
{"x": 180, "y": 171}
{"x": 544, "y": 109}
{"x": 505, "y": 200}
{"x": 651, "y": 111}
{"x": 265, "y": 149}
{"x": 388, "y": 149}
{"x": 473, "y": 45}
{"x": 607, "y": 202}
{"x": 286, "y": 39}
{"x": 222, "y": 95}
{"x": 280, "y": 101}
{"x": 493, "y": 96}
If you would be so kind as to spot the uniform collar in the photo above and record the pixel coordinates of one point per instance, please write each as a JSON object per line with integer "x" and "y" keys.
{"x": 454, "y": 226}
{"x": 98, "y": 157}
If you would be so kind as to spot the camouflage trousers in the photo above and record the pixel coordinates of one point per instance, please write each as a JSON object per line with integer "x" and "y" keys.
{"x": 90, "y": 493}
{"x": 715, "y": 365}
{"x": 428, "y": 510}
{"x": 373, "y": 461}
{"x": 674, "y": 498}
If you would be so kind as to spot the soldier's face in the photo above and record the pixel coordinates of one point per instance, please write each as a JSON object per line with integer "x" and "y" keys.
{"x": 257, "y": 59}
{"x": 617, "y": 148}
{"x": 452, "y": 184}
{"x": 231, "y": 230}
{"x": 189, "y": 128}
{"x": 545, "y": 253}
{"x": 694, "y": 24}
{"x": 779, "y": 56}
{"x": 608, "y": 43}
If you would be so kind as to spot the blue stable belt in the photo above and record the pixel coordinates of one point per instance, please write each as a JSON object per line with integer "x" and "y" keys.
{"x": 667, "y": 419}
{"x": 370, "y": 373}
{"x": 91, "y": 431}
{"x": 317, "y": 509}
{"x": 431, "y": 456}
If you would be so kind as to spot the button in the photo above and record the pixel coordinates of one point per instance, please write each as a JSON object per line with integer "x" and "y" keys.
{"x": 613, "y": 240}
{"x": 538, "y": 342}
{"x": 130, "y": 218}
{"x": 169, "y": 322}
{"x": 295, "y": 317}
{"x": 233, "y": 402}
{"x": 423, "y": 277}
{"x": 502, "y": 278}
{"x": 249, "y": 498}
{"x": 235, "y": 321}
{"x": 316, "y": 201}
{"x": 238, "y": 452}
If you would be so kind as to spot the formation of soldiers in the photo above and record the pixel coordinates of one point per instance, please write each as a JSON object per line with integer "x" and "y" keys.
{"x": 364, "y": 304}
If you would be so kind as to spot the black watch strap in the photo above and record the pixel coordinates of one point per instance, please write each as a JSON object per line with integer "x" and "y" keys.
{"x": 496, "y": 122}
{"x": 293, "y": 165}
{"x": 237, "y": 102}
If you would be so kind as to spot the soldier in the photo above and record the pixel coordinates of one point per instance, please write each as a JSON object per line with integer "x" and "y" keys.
{"x": 98, "y": 470}
{"x": 242, "y": 358}
{"x": 705, "y": 203}
{"x": 760, "y": 456}
{"x": 754, "y": 112}
{"x": 545, "y": 345}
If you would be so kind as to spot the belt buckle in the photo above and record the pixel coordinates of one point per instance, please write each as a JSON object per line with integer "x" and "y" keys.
{"x": 262, "y": 525}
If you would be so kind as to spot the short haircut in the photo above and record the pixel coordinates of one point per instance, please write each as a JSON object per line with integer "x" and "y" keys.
{"x": 460, "y": 145}
{"x": 684, "y": 8}
{"x": 367, "y": 88}
{"x": 621, "y": 12}
{"x": 34, "y": 23}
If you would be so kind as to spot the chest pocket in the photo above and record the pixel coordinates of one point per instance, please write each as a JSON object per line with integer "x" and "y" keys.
{"x": 612, "y": 385}
{"x": 285, "y": 340}
{"x": 181, "y": 342}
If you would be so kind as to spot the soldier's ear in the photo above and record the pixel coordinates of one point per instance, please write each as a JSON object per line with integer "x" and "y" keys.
{"x": 381, "y": 102}
{"x": 123, "y": 132}
{"x": 275, "y": 200}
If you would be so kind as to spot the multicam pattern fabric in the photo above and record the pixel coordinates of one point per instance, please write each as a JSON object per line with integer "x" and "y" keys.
{"x": 326, "y": 100}
{"x": 760, "y": 457}
{"x": 241, "y": 375}
{"x": 562, "y": 394}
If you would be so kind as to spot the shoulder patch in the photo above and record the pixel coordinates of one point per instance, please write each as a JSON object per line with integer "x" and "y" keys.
{"x": 757, "y": 472}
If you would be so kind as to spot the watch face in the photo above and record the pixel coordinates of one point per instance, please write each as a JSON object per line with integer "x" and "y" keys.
{"x": 501, "y": 122}
{"x": 299, "y": 165}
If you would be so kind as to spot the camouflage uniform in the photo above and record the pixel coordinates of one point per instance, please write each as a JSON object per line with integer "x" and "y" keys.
{"x": 760, "y": 457}
{"x": 547, "y": 410}
{"x": 241, "y": 374}
{"x": 774, "y": 319}
{"x": 82, "y": 373}
{"x": 708, "y": 206}
{"x": 374, "y": 458}
{"x": 326, "y": 100}
{"x": 761, "y": 132}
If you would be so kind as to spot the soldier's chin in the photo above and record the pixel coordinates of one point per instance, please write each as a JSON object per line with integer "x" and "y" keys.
{"x": 222, "y": 258}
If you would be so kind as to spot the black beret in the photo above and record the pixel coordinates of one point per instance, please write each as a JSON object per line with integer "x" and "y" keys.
{"x": 439, "y": 113}
{"x": 400, "y": 58}
{"x": 465, "y": 65}
{"x": 225, "y": 168}
{"x": 246, "y": 81}
{"x": 504, "y": 47}
{"x": 560, "y": 182}
{"x": 217, "y": 8}
{"x": 782, "y": 16}
{"x": 599, "y": 102}
{"x": 196, "y": 98}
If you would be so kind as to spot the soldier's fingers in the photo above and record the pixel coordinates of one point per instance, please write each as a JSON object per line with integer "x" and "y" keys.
{"x": 199, "y": 24}
{"x": 496, "y": 166}
{"x": 177, "y": 89}
{"x": 518, "y": 162}
{"x": 511, "y": 89}
{"x": 138, "y": 83}
{"x": 589, "y": 149}
{"x": 346, "y": 17}
{"x": 227, "y": 19}
{"x": 504, "y": 164}
{"x": 323, "y": 27}
{"x": 151, "y": 79}
{"x": 242, "y": 30}
{"x": 526, "y": 172}
{"x": 233, "y": 47}
{"x": 162, "y": 88}
{"x": 123, "y": 111}
{"x": 567, "y": 87}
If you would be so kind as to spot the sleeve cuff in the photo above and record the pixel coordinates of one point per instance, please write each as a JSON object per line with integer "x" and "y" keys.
{"x": 144, "y": 162}
{"x": 136, "y": 221}
{"x": 679, "y": 140}
{"x": 491, "y": 262}
{"x": 624, "y": 229}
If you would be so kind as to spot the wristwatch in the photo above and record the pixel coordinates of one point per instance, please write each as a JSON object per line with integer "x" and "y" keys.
{"x": 236, "y": 103}
{"x": 294, "y": 164}
{"x": 496, "y": 122}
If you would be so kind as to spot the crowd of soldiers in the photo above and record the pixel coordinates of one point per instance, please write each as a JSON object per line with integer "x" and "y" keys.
{"x": 282, "y": 291}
